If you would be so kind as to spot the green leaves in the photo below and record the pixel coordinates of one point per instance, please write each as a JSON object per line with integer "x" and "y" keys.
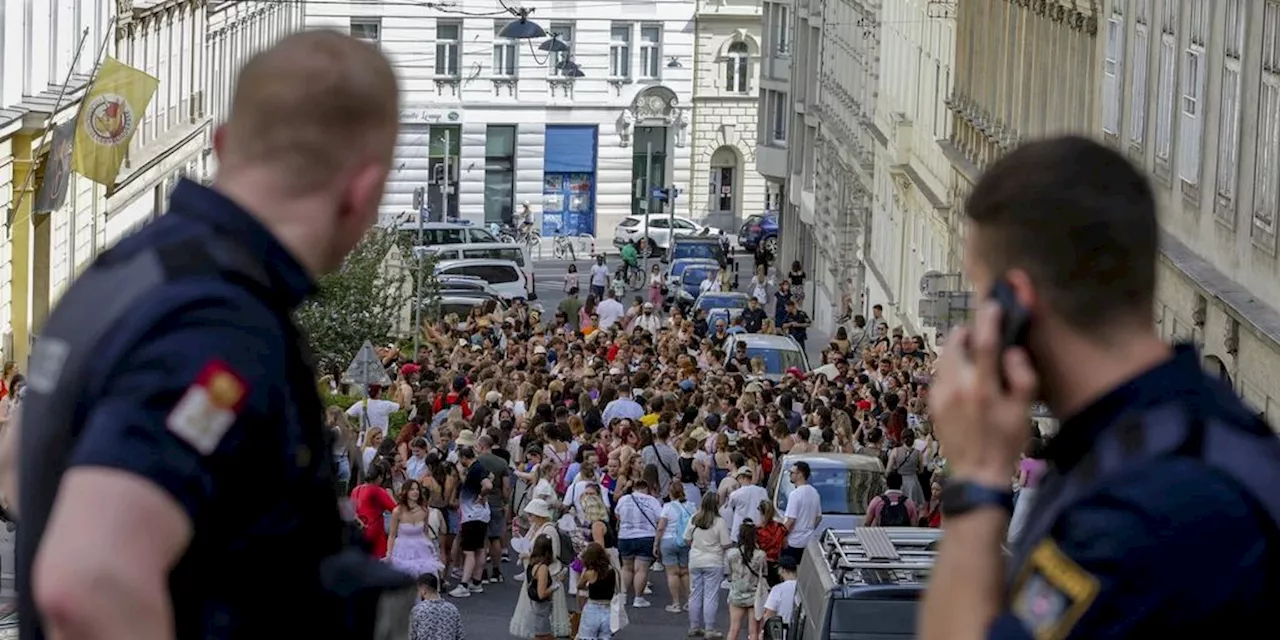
{"x": 363, "y": 300}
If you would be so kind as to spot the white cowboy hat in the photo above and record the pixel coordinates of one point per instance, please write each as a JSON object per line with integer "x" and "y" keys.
{"x": 466, "y": 438}
{"x": 538, "y": 507}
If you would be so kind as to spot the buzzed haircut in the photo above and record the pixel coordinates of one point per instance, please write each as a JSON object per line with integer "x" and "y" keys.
{"x": 311, "y": 105}
{"x": 1080, "y": 219}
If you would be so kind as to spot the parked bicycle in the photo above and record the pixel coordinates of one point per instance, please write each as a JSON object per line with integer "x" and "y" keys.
{"x": 567, "y": 247}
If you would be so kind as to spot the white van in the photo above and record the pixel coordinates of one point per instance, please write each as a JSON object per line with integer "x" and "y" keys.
{"x": 516, "y": 253}
{"x": 503, "y": 275}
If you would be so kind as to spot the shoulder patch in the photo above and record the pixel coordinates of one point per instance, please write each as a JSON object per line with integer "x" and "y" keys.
{"x": 1052, "y": 592}
{"x": 209, "y": 407}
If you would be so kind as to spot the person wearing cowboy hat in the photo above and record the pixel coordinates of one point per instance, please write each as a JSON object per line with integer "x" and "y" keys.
{"x": 540, "y": 514}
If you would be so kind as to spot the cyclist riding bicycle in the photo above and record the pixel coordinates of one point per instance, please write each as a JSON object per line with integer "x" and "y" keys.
{"x": 524, "y": 221}
{"x": 630, "y": 258}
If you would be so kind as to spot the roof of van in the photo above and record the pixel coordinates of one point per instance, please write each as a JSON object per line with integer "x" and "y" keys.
{"x": 478, "y": 262}
{"x": 857, "y": 461}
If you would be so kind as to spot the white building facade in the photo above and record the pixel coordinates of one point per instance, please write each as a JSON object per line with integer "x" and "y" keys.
{"x": 912, "y": 192}
{"x": 1191, "y": 92}
{"x": 488, "y": 123}
{"x": 727, "y": 53}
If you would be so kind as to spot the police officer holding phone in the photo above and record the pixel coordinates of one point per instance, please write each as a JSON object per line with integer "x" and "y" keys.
{"x": 175, "y": 477}
{"x": 1160, "y": 513}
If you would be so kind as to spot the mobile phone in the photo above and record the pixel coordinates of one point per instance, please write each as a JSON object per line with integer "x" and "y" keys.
{"x": 1015, "y": 320}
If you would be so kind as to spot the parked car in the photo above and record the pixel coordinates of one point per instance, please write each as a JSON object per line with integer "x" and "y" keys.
{"x": 760, "y": 229}
{"x": 466, "y": 285}
{"x": 779, "y": 353}
{"x": 461, "y": 305}
{"x": 659, "y": 228}
{"x": 678, "y": 266}
{"x": 434, "y": 233}
{"x": 722, "y": 305}
{"x": 503, "y": 275}
{"x": 516, "y": 253}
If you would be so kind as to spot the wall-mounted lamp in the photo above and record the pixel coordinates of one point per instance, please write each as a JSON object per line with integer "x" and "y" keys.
{"x": 674, "y": 63}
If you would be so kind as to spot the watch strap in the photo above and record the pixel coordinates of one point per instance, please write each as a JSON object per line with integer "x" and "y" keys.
{"x": 962, "y": 496}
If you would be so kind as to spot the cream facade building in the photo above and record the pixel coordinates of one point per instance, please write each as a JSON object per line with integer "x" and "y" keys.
{"x": 1191, "y": 92}
{"x": 489, "y": 123}
{"x": 725, "y": 186}
{"x": 776, "y": 111}
{"x": 911, "y": 212}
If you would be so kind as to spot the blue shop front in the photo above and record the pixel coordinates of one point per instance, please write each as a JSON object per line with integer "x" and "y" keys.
{"x": 569, "y": 180}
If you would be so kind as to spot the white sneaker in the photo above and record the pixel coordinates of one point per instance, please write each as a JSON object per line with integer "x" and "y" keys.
{"x": 475, "y": 588}
{"x": 673, "y": 608}
{"x": 460, "y": 591}
{"x": 519, "y": 577}
{"x": 648, "y": 589}
{"x": 656, "y": 566}
{"x": 640, "y": 603}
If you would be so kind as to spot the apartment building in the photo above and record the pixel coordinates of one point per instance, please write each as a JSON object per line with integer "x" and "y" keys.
{"x": 727, "y": 59}
{"x": 817, "y": 97}
{"x": 583, "y": 126}
{"x": 1191, "y": 92}
{"x": 911, "y": 212}
{"x": 775, "y": 111}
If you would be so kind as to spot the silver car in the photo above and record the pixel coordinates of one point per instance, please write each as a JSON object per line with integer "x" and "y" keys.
{"x": 846, "y": 483}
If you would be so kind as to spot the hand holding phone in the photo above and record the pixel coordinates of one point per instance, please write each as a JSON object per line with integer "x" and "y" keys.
{"x": 1015, "y": 320}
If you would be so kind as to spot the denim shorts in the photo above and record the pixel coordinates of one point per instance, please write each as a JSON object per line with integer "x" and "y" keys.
{"x": 674, "y": 555}
{"x": 636, "y": 548}
{"x": 452, "y": 521}
{"x": 594, "y": 624}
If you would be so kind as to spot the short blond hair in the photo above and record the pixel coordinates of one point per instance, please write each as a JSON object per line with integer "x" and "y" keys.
{"x": 311, "y": 106}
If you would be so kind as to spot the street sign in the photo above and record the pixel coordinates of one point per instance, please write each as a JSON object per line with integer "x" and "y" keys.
{"x": 934, "y": 283}
{"x": 948, "y": 309}
{"x": 659, "y": 193}
{"x": 366, "y": 369}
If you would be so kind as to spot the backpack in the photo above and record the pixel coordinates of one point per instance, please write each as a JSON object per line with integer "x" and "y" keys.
{"x": 562, "y": 476}
{"x": 567, "y": 550}
{"x": 894, "y": 514}
{"x": 683, "y": 518}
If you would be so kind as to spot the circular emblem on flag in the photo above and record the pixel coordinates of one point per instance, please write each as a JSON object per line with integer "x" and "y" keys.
{"x": 109, "y": 119}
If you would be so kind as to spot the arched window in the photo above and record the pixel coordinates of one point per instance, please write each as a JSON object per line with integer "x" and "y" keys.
{"x": 737, "y": 63}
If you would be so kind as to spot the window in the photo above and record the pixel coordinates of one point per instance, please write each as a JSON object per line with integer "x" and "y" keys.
{"x": 563, "y": 33}
{"x": 736, "y": 64}
{"x": 650, "y": 51}
{"x": 620, "y": 51}
{"x": 1267, "y": 197}
{"x": 505, "y": 62}
{"x": 499, "y": 172}
{"x": 1141, "y": 47}
{"x": 1112, "y": 67}
{"x": 1165, "y": 82}
{"x": 448, "y": 36}
{"x": 1191, "y": 124}
{"x": 367, "y": 29}
{"x": 1229, "y": 125}
{"x": 782, "y": 28}
{"x": 781, "y": 110}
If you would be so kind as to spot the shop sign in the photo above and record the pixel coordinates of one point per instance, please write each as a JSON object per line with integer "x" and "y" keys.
{"x": 432, "y": 116}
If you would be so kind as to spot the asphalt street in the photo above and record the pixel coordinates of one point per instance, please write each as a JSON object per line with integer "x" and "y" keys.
{"x": 488, "y": 615}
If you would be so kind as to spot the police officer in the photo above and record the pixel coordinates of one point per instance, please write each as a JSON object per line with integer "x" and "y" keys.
{"x": 1159, "y": 516}
{"x": 175, "y": 479}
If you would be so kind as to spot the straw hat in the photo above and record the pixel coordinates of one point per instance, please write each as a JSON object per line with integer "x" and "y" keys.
{"x": 467, "y": 438}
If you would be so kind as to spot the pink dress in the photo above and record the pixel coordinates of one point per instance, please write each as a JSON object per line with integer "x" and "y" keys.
{"x": 415, "y": 553}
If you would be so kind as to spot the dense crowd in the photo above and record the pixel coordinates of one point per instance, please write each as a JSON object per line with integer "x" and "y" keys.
{"x": 595, "y": 455}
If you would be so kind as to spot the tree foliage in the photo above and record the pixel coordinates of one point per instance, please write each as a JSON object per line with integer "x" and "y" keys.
{"x": 361, "y": 301}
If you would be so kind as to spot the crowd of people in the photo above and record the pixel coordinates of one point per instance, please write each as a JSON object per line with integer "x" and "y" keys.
{"x": 594, "y": 455}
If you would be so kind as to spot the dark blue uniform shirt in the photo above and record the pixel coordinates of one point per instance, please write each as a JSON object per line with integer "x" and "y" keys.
{"x": 257, "y": 502}
{"x": 1169, "y": 547}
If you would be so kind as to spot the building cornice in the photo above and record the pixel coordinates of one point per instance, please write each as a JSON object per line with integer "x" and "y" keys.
{"x": 1077, "y": 15}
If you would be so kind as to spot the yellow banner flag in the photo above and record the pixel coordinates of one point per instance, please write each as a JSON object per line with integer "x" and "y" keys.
{"x": 109, "y": 116}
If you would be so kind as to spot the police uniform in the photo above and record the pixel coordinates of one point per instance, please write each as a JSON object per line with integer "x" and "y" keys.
{"x": 1159, "y": 516}
{"x": 175, "y": 358}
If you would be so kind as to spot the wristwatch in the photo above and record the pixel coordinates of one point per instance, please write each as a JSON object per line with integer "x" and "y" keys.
{"x": 962, "y": 496}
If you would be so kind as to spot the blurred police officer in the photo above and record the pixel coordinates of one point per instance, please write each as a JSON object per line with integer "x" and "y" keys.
{"x": 1159, "y": 515}
{"x": 175, "y": 480}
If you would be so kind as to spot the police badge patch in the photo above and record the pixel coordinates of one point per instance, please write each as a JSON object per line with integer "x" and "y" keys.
{"x": 1052, "y": 592}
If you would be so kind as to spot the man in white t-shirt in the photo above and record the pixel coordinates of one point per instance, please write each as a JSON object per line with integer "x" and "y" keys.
{"x": 744, "y": 502}
{"x": 374, "y": 412}
{"x": 782, "y": 597}
{"x": 610, "y": 310}
{"x": 804, "y": 512}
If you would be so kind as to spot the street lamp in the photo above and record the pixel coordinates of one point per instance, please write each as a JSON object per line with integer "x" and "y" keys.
{"x": 553, "y": 44}
{"x": 572, "y": 70}
{"x": 674, "y": 63}
{"x": 521, "y": 28}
